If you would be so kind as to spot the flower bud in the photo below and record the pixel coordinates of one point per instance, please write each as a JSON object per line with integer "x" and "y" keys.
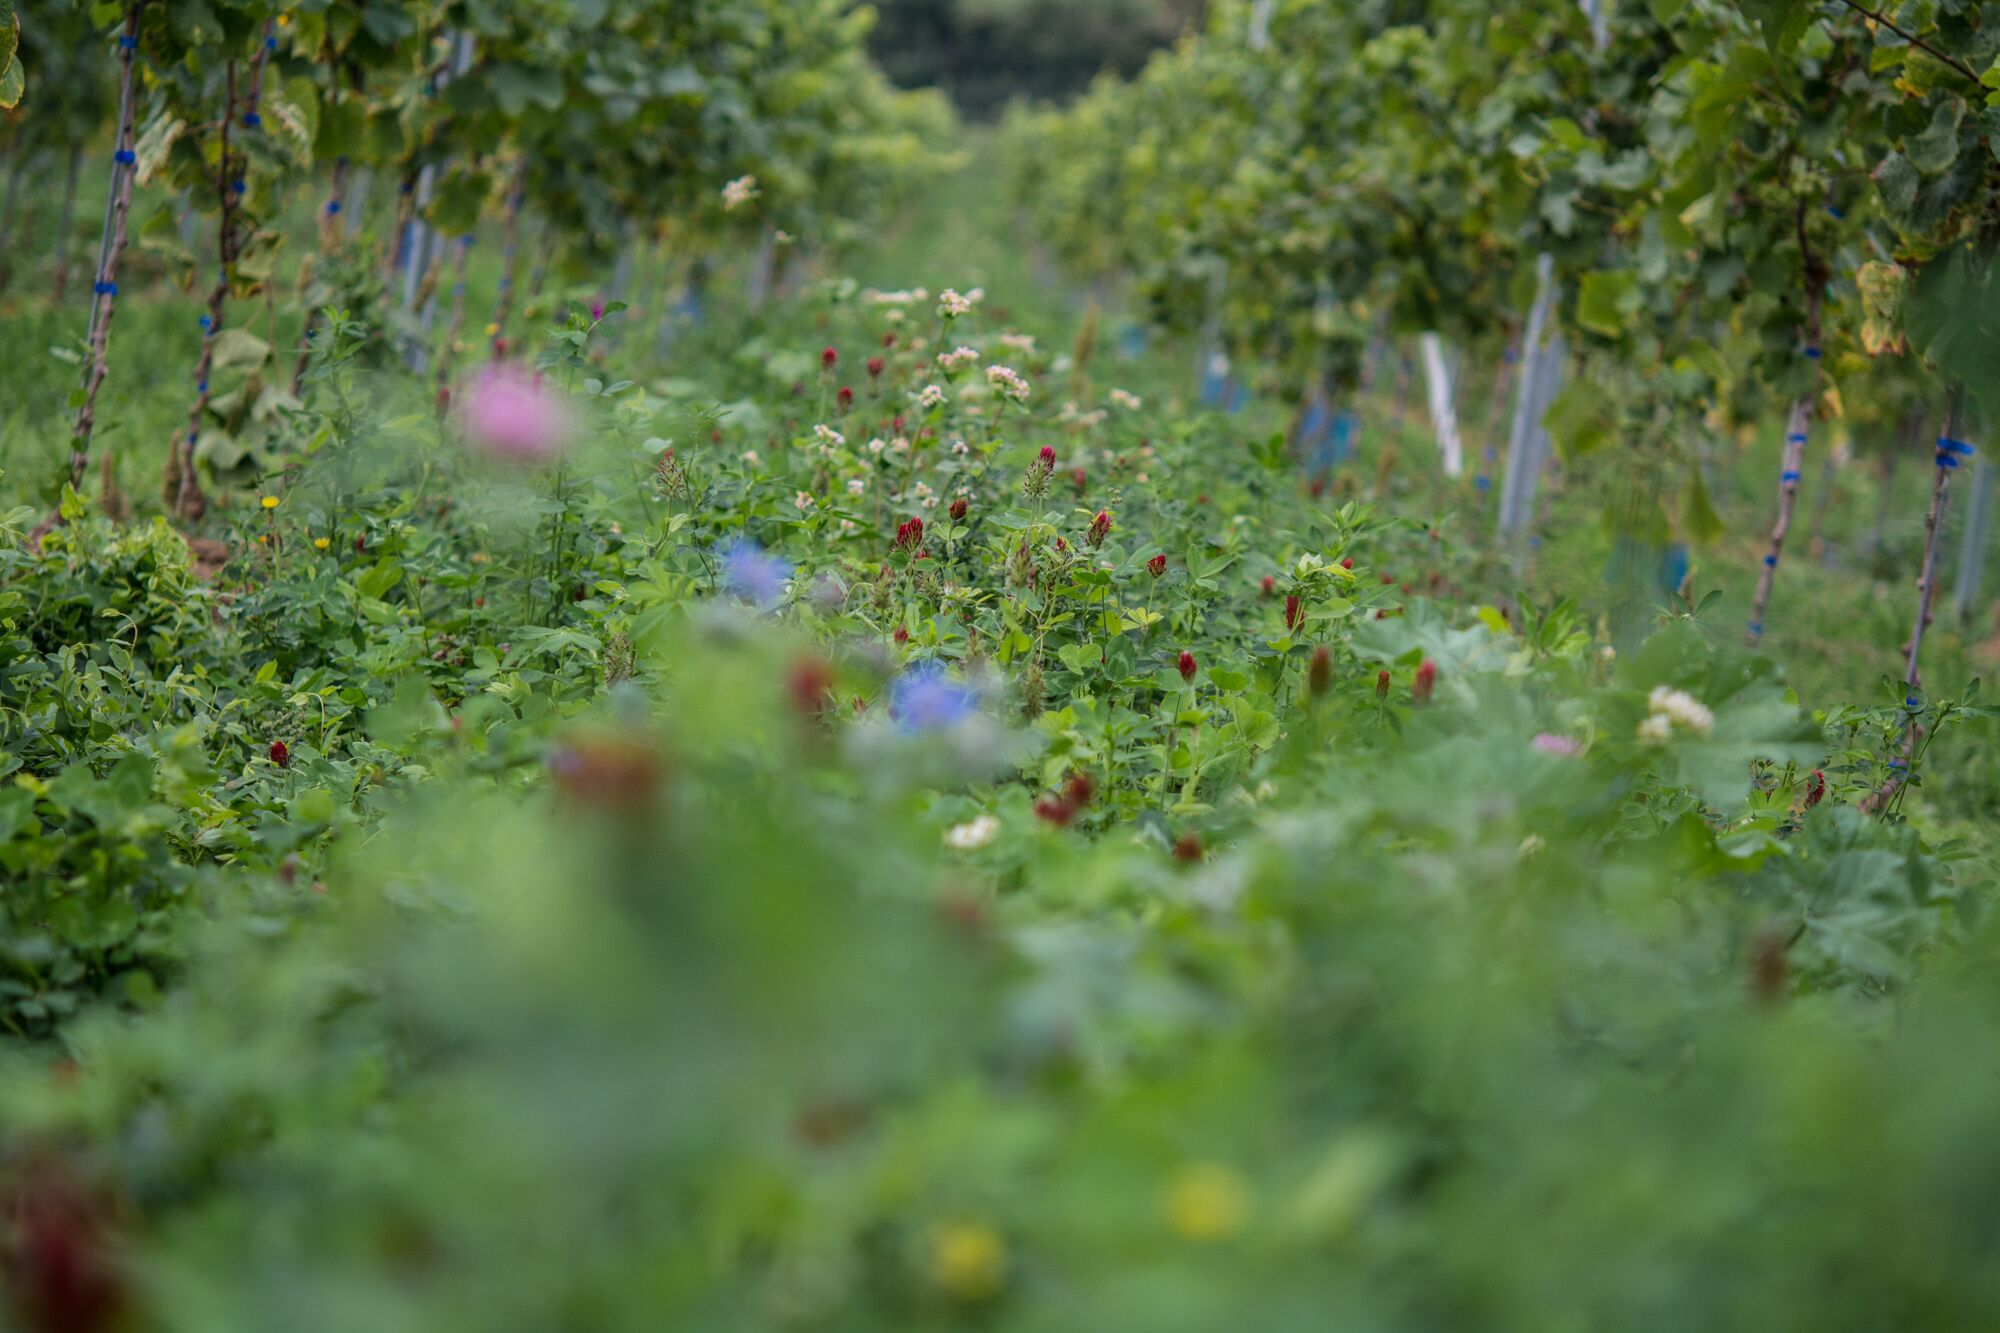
{"x": 1381, "y": 685}
{"x": 1295, "y": 614}
{"x": 281, "y": 754}
{"x": 1186, "y": 665}
{"x": 1157, "y": 565}
{"x": 1319, "y": 675}
{"x": 958, "y": 508}
{"x": 1425, "y": 682}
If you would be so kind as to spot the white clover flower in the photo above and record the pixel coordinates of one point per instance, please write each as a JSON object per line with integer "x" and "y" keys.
{"x": 803, "y": 500}
{"x": 750, "y": 457}
{"x": 1657, "y": 729}
{"x": 951, "y": 305}
{"x": 1130, "y": 402}
{"x": 931, "y": 396}
{"x": 974, "y": 833}
{"x": 961, "y": 448}
{"x": 899, "y": 445}
{"x": 856, "y": 486}
{"x": 958, "y": 357}
{"x": 1682, "y": 709}
{"x": 738, "y": 193}
{"x": 829, "y": 436}
{"x": 876, "y": 446}
{"x": 1007, "y": 382}
{"x": 1019, "y": 342}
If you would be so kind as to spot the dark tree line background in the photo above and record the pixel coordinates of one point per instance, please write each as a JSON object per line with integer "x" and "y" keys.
{"x": 985, "y": 53}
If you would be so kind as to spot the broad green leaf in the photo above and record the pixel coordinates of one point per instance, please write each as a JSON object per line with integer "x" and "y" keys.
{"x": 1937, "y": 147}
{"x": 1581, "y": 418}
{"x": 1601, "y": 302}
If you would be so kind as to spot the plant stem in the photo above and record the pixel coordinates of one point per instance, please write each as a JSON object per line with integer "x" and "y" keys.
{"x": 1918, "y": 42}
{"x": 111, "y": 247}
{"x": 1796, "y": 427}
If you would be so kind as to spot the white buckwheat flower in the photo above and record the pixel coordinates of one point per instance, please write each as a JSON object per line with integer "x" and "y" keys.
{"x": 803, "y": 501}
{"x": 1007, "y": 382}
{"x": 1129, "y": 402}
{"x": 1023, "y": 343}
{"x": 856, "y": 486}
{"x": 877, "y": 445}
{"x": 931, "y": 396}
{"x": 957, "y": 358}
{"x": 829, "y": 436}
{"x": 951, "y": 305}
{"x": 738, "y": 193}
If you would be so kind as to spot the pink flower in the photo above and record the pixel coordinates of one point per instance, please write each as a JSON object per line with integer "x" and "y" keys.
{"x": 511, "y": 416}
{"x": 1550, "y": 743}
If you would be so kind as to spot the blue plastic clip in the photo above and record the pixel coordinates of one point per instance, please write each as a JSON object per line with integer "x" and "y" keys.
{"x": 104, "y": 288}
{"x": 270, "y": 43}
{"x": 206, "y": 321}
{"x": 1482, "y": 484}
{"x": 125, "y": 157}
{"x": 1910, "y": 701}
{"x": 1813, "y": 352}
{"x": 332, "y": 207}
{"x": 1795, "y": 439}
{"x": 1756, "y": 627}
{"x": 1788, "y": 476}
{"x": 239, "y": 186}
{"x": 129, "y": 43}
{"x": 201, "y": 387}
{"x": 251, "y": 120}
{"x": 1770, "y": 562}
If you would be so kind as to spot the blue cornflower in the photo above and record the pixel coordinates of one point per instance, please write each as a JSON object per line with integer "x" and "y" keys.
{"x": 755, "y": 574}
{"x": 925, "y": 698}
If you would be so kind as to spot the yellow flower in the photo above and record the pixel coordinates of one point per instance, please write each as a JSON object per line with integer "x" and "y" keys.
{"x": 270, "y": 502}
{"x": 321, "y": 543}
{"x": 968, "y": 1260}
{"x": 1207, "y": 1202}
{"x": 492, "y": 329}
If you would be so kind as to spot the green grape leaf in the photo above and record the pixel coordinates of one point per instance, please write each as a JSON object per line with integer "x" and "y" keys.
{"x": 1600, "y": 304}
{"x": 1897, "y": 179}
{"x": 1581, "y": 418}
{"x": 1698, "y": 517}
{"x": 1952, "y": 313}
{"x": 1783, "y": 21}
{"x": 1936, "y": 148}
